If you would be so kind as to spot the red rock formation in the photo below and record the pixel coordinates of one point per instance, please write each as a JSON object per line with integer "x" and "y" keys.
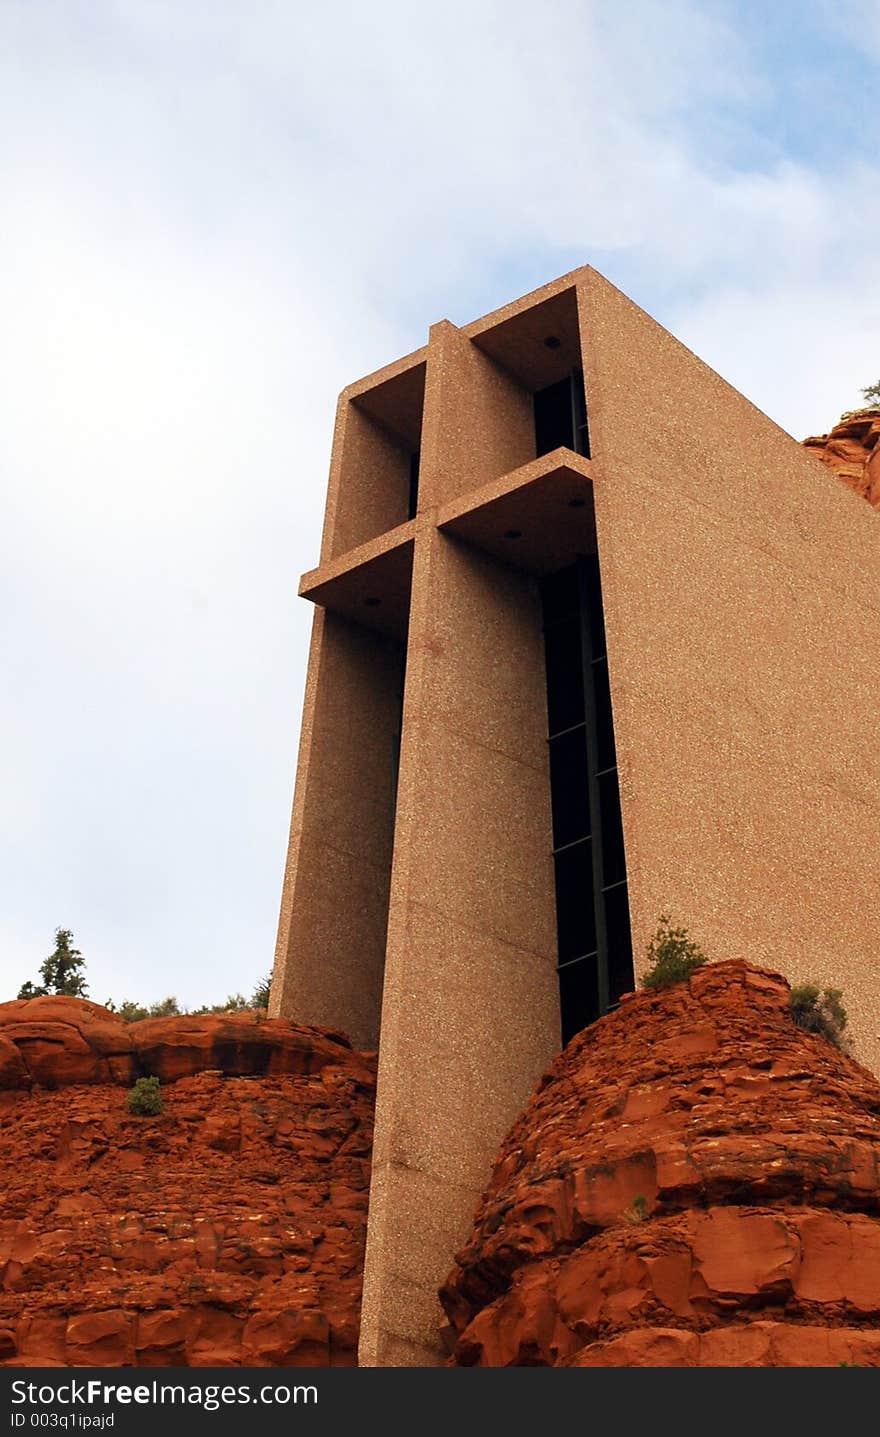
{"x": 852, "y": 450}
{"x": 227, "y": 1231}
{"x": 694, "y": 1183}
{"x": 56, "y": 1041}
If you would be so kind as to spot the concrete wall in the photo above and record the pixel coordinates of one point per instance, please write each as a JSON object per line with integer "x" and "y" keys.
{"x": 330, "y": 952}
{"x": 742, "y": 600}
{"x": 373, "y": 483}
{"x": 478, "y": 424}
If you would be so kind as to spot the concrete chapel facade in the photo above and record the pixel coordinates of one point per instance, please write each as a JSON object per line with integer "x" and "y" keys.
{"x": 593, "y": 640}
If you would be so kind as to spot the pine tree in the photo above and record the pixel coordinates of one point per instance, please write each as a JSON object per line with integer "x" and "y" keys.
{"x": 260, "y": 995}
{"x": 60, "y": 972}
{"x": 871, "y": 395}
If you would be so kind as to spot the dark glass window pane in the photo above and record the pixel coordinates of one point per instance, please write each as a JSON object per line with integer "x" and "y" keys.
{"x": 620, "y": 964}
{"x": 593, "y": 588}
{"x": 413, "y": 484}
{"x": 578, "y": 997}
{"x": 582, "y": 432}
{"x": 613, "y": 861}
{"x": 395, "y": 765}
{"x": 575, "y": 915}
{"x": 605, "y": 751}
{"x": 565, "y": 676}
{"x": 569, "y": 795}
{"x": 560, "y": 595}
{"x": 553, "y": 426}
{"x": 572, "y": 605}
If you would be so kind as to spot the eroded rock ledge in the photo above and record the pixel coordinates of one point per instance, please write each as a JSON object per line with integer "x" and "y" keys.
{"x": 53, "y": 1042}
{"x": 752, "y": 1148}
{"x": 852, "y": 451}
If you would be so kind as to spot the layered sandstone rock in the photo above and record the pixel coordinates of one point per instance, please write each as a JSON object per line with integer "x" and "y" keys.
{"x": 229, "y": 1230}
{"x": 57, "y": 1041}
{"x": 852, "y": 450}
{"x": 694, "y": 1183}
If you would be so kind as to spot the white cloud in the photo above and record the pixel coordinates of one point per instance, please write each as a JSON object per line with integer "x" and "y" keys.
{"x": 214, "y": 217}
{"x": 802, "y": 352}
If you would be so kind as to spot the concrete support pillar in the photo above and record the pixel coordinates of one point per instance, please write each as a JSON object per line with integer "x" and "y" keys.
{"x": 470, "y": 1013}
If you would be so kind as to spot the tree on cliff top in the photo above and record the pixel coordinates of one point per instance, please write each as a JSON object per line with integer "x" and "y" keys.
{"x": 62, "y": 975}
{"x": 871, "y": 395}
{"x": 260, "y": 995}
{"x": 61, "y": 971}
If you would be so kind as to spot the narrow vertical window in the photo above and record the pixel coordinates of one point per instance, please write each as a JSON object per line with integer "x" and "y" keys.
{"x": 397, "y": 733}
{"x": 412, "y": 507}
{"x": 561, "y": 416}
{"x": 592, "y": 909}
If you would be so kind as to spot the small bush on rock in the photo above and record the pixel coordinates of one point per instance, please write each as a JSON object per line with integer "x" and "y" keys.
{"x": 131, "y": 1011}
{"x": 145, "y": 1098}
{"x": 638, "y": 1210}
{"x": 820, "y": 1011}
{"x": 673, "y": 956}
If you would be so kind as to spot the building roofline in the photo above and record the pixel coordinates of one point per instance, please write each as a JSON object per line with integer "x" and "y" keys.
{"x": 473, "y": 330}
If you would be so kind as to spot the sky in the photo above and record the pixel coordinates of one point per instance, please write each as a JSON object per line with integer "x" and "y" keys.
{"x": 214, "y": 216}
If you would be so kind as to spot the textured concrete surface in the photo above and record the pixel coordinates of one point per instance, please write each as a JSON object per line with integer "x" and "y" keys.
{"x": 470, "y": 1004}
{"x": 377, "y": 428}
{"x": 539, "y": 518}
{"x": 744, "y": 676}
{"x": 331, "y": 936}
{"x": 740, "y": 584}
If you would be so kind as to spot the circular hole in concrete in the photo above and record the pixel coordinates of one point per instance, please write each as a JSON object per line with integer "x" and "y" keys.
{"x": 513, "y": 533}
{"x": 576, "y": 503}
{"x": 372, "y": 603}
{"x": 553, "y": 342}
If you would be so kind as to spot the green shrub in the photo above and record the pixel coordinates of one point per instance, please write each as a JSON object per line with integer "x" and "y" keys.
{"x": 235, "y": 1003}
{"x": 145, "y": 1099}
{"x": 820, "y": 1011}
{"x": 131, "y": 1011}
{"x": 260, "y": 995}
{"x": 638, "y": 1210}
{"x": 673, "y": 956}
